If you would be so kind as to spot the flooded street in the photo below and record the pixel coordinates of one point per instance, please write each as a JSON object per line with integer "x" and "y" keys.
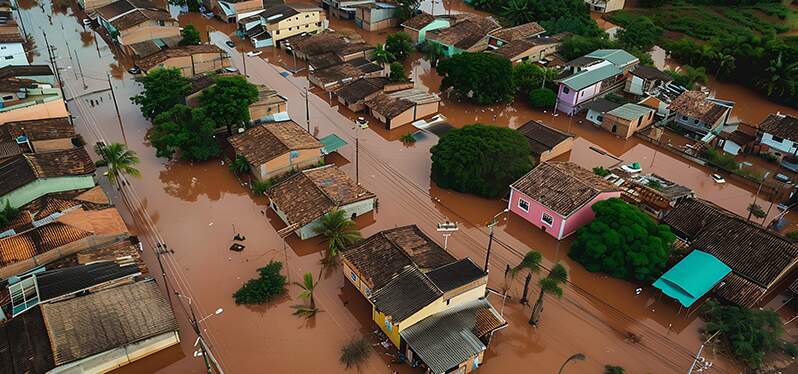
{"x": 197, "y": 208}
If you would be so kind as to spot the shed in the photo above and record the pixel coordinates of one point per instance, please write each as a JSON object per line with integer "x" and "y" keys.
{"x": 692, "y": 277}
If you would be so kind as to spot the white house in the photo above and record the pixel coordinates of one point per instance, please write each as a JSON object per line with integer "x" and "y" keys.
{"x": 779, "y": 132}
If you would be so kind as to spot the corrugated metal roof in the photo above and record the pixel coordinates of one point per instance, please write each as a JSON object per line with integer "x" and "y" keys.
{"x": 616, "y": 56}
{"x": 630, "y": 111}
{"x": 587, "y": 78}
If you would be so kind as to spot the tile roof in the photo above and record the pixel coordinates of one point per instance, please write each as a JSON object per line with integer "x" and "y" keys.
{"x": 68, "y": 162}
{"x": 464, "y": 34}
{"x": 105, "y": 320}
{"x": 406, "y": 294}
{"x": 542, "y": 138}
{"x": 562, "y": 186}
{"x": 309, "y": 194}
{"x": 114, "y": 9}
{"x": 140, "y": 16}
{"x": 15, "y": 173}
{"x": 353, "y": 69}
{"x": 324, "y": 60}
{"x": 9, "y": 149}
{"x": 25, "y": 345}
{"x": 24, "y": 70}
{"x": 361, "y": 88}
{"x": 696, "y": 104}
{"x": 392, "y": 104}
{"x": 447, "y": 339}
{"x": 315, "y": 44}
{"x": 457, "y": 274}
{"x": 14, "y": 37}
{"x": 277, "y": 13}
{"x": 524, "y": 31}
{"x": 781, "y": 125}
{"x": 37, "y": 241}
{"x": 39, "y": 129}
{"x": 418, "y": 22}
{"x": 602, "y": 105}
{"x": 159, "y": 57}
{"x": 44, "y": 207}
{"x": 268, "y": 141}
{"x": 630, "y": 111}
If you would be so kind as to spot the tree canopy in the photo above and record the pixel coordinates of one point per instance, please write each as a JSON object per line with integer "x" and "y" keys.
{"x": 227, "y": 101}
{"x": 397, "y": 72}
{"x": 190, "y": 35}
{"x": 400, "y": 45}
{"x": 269, "y": 284}
{"x": 529, "y": 76}
{"x": 484, "y": 78}
{"x": 407, "y": 9}
{"x": 640, "y": 33}
{"x": 542, "y": 98}
{"x": 623, "y": 242}
{"x": 554, "y": 15}
{"x": 480, "y": 159}
{"x": 749, "y": 334}
{"x": 163, "y": 89}
{"x": 187, "y": 130}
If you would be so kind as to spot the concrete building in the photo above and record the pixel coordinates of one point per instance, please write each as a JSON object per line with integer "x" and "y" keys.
{"x": 546, "y": 142}
{"x": 31, "y": 175}
{"x": 276, "y": 148}
{"x": 627, "y": 119}
{"x": 591, "y": 75}
{"x": 191, "y": 60}
{"x": 778, "y": 133}
{"x": 12, "y": 43}
{"x": 699, "y": 114}
{"x": 402, "y": 107}
{"x": 376, "y": 16}
{"x": 467, "y": 35}
{"x": 134, "y": 21}
{"x": 418, "y": 26}
{"x": 271, "y": 26}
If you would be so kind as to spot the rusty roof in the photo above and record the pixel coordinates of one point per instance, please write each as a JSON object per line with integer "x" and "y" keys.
{"x": 361, "y": 88}
{"x": 696, "y": 104}
{"x": 15, "y": 173}
{"x": 37, "y": 241}
{"x": 466, "y": 33}
{"x": 324, "y": 42}
{"x": 24, "y": 344}
{"x": 781, "y": 125}
{"x": 353, "y": 69}
{"x": 49, "y": 204}
{"x": 524, "y": 31}
{"x": 268, "y": 141}
{"x": 24, "y": 70}
{"x": 108, "y": 319}
{"x": 563, "y": 187}
{"x": 39, "y": 129}
{"x": 140, "y": 16}
{"x": 70, "y": 162}
{"x": 388, "y": 105}
{"x": 309, "y": 194}
{"x": 418, "y": 22}
{"x": 159, "y": 57}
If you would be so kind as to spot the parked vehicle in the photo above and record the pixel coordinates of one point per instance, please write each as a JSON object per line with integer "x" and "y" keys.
{"x": 782, "y": 178}
{"x": 230, "y": 44}
{"x": 253, "y": 53}
{"x": 718, "y": 179}
{"x": 134, "y": 70}
{"x": 362, "y": 123}
{"x": 87, "y": 22}
{"x": 231, "y": 69}
{"x": 632, "y": 168}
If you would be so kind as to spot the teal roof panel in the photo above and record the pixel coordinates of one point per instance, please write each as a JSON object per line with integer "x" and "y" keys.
{"x": 692, "y": 277}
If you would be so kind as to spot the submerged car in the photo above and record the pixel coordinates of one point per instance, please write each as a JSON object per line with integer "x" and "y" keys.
{"x": 718, "y": 178}
{"x": 230, "y": 44}
{"x": 253, "y": 53}
{"x": 362, "y": 123}
{"x": 134, "y": 70}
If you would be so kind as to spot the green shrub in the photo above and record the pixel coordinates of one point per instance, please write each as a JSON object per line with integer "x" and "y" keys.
{"x": 601, "y": 171}
{"x": 748, "y": 334}
{"x": 407, "y": 139}
{"x": 719, "y": 159}
{"x": 542, "y": 98}
{"x": 610, "y": 369}
{"x": 7, "y": 214}
{"x": 265, "y": 288}
{"x": 260, "y": 187}
{"x": 792, "y": 235}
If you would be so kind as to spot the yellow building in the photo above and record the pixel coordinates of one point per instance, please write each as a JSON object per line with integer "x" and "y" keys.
{"x": 423, "y": 299}
{"x": 190, "y": 59}
{"x": 276, "y": 23}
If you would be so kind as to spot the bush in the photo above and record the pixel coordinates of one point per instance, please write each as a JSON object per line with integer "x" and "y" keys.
{"x": 7, "y": 214}
{"x": 610, "y": 369}
{"x": 397, "y": 72}
{"x": 400, "y": 45}
{"x": 480, "y": 159}
{"x": 354, "y": 353}
{"x": 792, "y": 235}
{"x": 542, "y": 98}
{"x": 719, "y": 159}
{"x": 623, "y": 242}
{"x": 263, "y": 289}
{"x": 748, "y": 334}
{"x": 601, "y": 171}
{"x": 407, "y": 139}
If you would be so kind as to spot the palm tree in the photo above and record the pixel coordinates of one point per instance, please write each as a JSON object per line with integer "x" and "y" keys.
{"x": 548, "y": 74}
{"x": 530, "y": 262}
{"x": 382, "y": 56}
{"x": 518, "y": 12}
{"x": 552, "y": 285}
{"x": 725, "y": 64}
{"x": 781, "y": 78}
{"x": 433, "y": 53}
{"x": 119, "y": 161}
{"x": 339, "y": 230}
{"x": 308, "y": 285}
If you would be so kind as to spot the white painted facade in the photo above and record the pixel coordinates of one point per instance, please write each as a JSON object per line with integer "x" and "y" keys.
{"x": 780, "y": 145}
{"x": 12, "y": 54}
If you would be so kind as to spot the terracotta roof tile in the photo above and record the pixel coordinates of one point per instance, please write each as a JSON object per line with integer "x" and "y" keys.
{"x": 157, "y": 58}
{"x": 695, "y": 104}
{"x": 68, "y": 162}
{"x": 781, "y": 125}
{"x": 511, "y": 34}
{"x": 15, "y": 173}
{"x": 464, "y": 34}
{"x": 140, "y": 16}
{"x": 562, "y": 186}
{"x": 419, "y": 21}
{"x": 388, "y": 105}
{"x": 40, "y": 129}
{"x": 268, "y": 141}
{"x": 37, "y": 241}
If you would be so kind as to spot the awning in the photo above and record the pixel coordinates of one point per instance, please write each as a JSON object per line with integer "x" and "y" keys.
{"x": 331, "y": 143}
{"x": 692, "y": 277}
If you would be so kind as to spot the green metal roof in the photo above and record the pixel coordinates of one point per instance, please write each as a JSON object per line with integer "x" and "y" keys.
{"x": 587, "y": 78}
{"x": 630, "y": 111}
{"x": 331, "y": 143}
{"x": 619, "y": 57}
{"x": 692, "y": 277}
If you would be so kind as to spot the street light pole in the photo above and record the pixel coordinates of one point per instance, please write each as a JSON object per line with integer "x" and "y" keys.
{"x": 195, "y": 325}
{"x": 307, "y": 108}
{"x": 493, "y": 222}
{"x": 116, "y": 106}
{"x": 574, "y": 357}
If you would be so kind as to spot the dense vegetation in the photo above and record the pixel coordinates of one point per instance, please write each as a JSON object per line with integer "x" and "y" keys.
{"x": 190, "y": 35}
{"x": 400, "y": 45}
{"x": 554, "y": 15}
{"x": 480, "y": 159}
{"x": 623, "y": 242}
{"x": 483, "y": 78}
{"x": 163, "y": 89}
{"x": 227, "y": 101}
{"x": 266, "y": 287}
{"x": 184, "y": 129}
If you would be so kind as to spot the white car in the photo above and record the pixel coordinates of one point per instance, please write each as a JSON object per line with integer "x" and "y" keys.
{"x": 87, "y": 22}
{"x": 362, "y": 123}
{"x": 253, "y": 53}
{"x": 231, "y": 69}
{"x": 718, "y": 179}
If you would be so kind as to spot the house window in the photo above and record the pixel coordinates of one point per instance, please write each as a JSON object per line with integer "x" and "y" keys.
{"x": 565, "y": 90}
{"x": 547, "y": 219}
{"x": 695, "y": 121}
{"x": 684, "y": 118}
{"x": 650, "y": 114}
{"x": 778, "y": 139}
{"x": 9, "y": 57}
{"x": 367, "y": 291}
{"x": 354, "y": 277}
{"x": 523, "y": 204}
{"x": 293, "y": 154}
{"x": 388, "y": 326}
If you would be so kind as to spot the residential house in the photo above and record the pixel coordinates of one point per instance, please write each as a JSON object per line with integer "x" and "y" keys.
{"x": 742, "y": 139}
{"x": 344, "y": 9}
{"x": 135, "y": 21}
{"x": 334, "y": 76}
{"x": 402, "y": 107}
{"x": 148, "y": 47}
{"x": 89, "y": 5}
{"x": 42, "y": 135}
{"x": 418, "y": 26}
{"x": 546, "y": 142}
{"x": 29, "y": 176}
{"x": 557, "y": 197}
{"x": 279, "y": 22}
{"x": 230, "y": 11}
{"x": 12, "y": 43}
{"x": 41, "y": 74}
{"x": 50, "y": 206}
{"x": 761, "y": 260}
{"x": 597, "y": 108}
{"x": 660, "y": 98}
{"x": 627, "y": 119}
{"x": 468, "y": 35}
{"x": 276, "y": 148}
{"x": 354, "y": 95}
{"x": 501, "y": 37}
{"x": 605, "y": 6}
{"x": 270, "y": 105}
{"x": 592, "y": 75}
{"x": 191, "y": 60}
{"x": 699, "y": 114}
{"x": 534, "y": 49}
{"x": 376, "y": 16}
{"x": 342, "y": 47}
{"x": 96, "y": 333}
{"x": 652, "y": 193}
{"x": 58, "y": 235}
{"x": 29, "y": 96}
{"x": 644, "y": 79}
{"x": 778, "y": 134}
{"x": 431, "y": 306}
{"x": 303, "y": 198}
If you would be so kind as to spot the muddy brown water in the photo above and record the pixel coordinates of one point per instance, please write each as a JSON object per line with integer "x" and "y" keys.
{"x": 198, "y": 207}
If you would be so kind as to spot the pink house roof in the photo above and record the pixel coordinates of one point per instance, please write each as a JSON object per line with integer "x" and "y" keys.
{"x": 563, "y": 187}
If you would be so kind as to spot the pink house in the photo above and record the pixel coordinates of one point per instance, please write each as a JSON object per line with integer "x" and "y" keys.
{"x": 557, "y": 197}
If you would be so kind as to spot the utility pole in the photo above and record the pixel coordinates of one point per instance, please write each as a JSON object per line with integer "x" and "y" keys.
{"x": 493, "y": 222}
{"x": 21, "y": 22}
{"x": 357, "y": 159}
{"x": 753, "y": 205}
{"x": 244, "y": 58}
{"x": 116, "y": 106}
{"x": 307, "y": 108}
{"x": 701, "y": 362}
{"x": 198, "y": 331}
{"x": 82, "y": 77}
{"x": 96, "y": 45}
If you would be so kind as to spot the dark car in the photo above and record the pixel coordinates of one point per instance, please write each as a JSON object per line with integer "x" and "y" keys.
{"x": 230, "y": 44}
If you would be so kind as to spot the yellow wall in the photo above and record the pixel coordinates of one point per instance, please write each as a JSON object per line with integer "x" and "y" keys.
{"x": 283, "y": 164}
{"x": 559, "y": 149}
{"x": 310, "y": 22}
{"x": 261, "y": 110}
{"x": 147, "y": 31}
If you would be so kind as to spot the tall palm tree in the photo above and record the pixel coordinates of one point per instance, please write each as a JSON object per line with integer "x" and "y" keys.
{"x": 725, "y": 64}
{"x": 307, "y": 286}
{"x": 382, "y": 56}
{"x": 548, "y": 74}
{"x": 518, "y": 12}
{"x": 339, "y": 230}
{"x": 552, "y": 285}
{"x": 531, "y": 263}
{"x": 781, "y": 78}
{"x": 119, "y": 160}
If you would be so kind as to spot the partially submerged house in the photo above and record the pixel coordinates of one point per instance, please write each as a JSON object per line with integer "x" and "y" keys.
{"x": 269, "y": 105}
{"x": 231, "y": 11}
{"x": 41, "y": 135}
{"x": 303, "y": 198}
{"x": 467, "y": 35}
{"x": 376, "y": 15}
{"x": 135, "y": 21}
{"x": 698, "y": 113}
{"x": 276, "y": 148}
{"x": 592, "y": 75}
{"x": 402, "y": 107}
{"x": 546, "y": 142}
{"x": 95, "y": 333}
{"x": 12, "y": 42}
{"x": 26, "y": 177}
{"x": 418, "y": 26}
{"x": 627, "y": 119}
{"x": 431, "y": 306}
{"x": 342, "y": 47}
{"x": 761, "y": 260}
{"x": 742, "y": 139}
{"x": 643, "y": 79}
{"x": 778, "y": 135}
{"x": 652, "y": 193}
{"x": 557, "y": 197}
{"x": 332, "y": 77}
{"x": 534, "y": 49}
{"x": 605, "y": 6}
{"x": 354, "y": 95}
{"x": 501, "y": 37}
{"x": 278, "y": 22}
{"x": 598, "y": 108}
{"x": 191, "y": 60}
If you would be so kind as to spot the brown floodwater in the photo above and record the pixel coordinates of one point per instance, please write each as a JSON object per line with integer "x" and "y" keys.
{"x": 197, "y": 208}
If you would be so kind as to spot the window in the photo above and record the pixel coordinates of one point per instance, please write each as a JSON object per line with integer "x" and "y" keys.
{"x": 650, "y": 114}
{"x": 523, "y": 204}
{"x": 307, "y": 15}
{"x": 639, "y": 121}
{"x": 695, "y": 121}
{"x": 565, "y": 90}
{"x": 600, "y": 118}
{"x": 367, "y": 291}
{"x": 388, "y": 326}
{"x": 9, "y": 57}
{"x": 778, "y": 139}
{"x": 354, "y": 277}
{"x": 547, "y": 219}
{"x": 684, "y": 118}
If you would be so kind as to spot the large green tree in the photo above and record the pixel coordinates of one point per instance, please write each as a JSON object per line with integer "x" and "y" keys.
{"x": 623, "y": 242}
{"x": 163, "y": 89}
{"x": 749, "y": 334}
{"x": 542, "y": 98}
{"x": 227, "y": 101}
{"x": 400, "y": 45}
{"x": 529, "y": 76}
{"x": 483, "y": 78}
{"x": 190, "y": 35}
{"x": 480, "y": 159}
{"x": 187, "y": 130}
{"x": 407, "y": 9}
{"x": 518, "y": 12}
{"x": 640, "y": 33}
